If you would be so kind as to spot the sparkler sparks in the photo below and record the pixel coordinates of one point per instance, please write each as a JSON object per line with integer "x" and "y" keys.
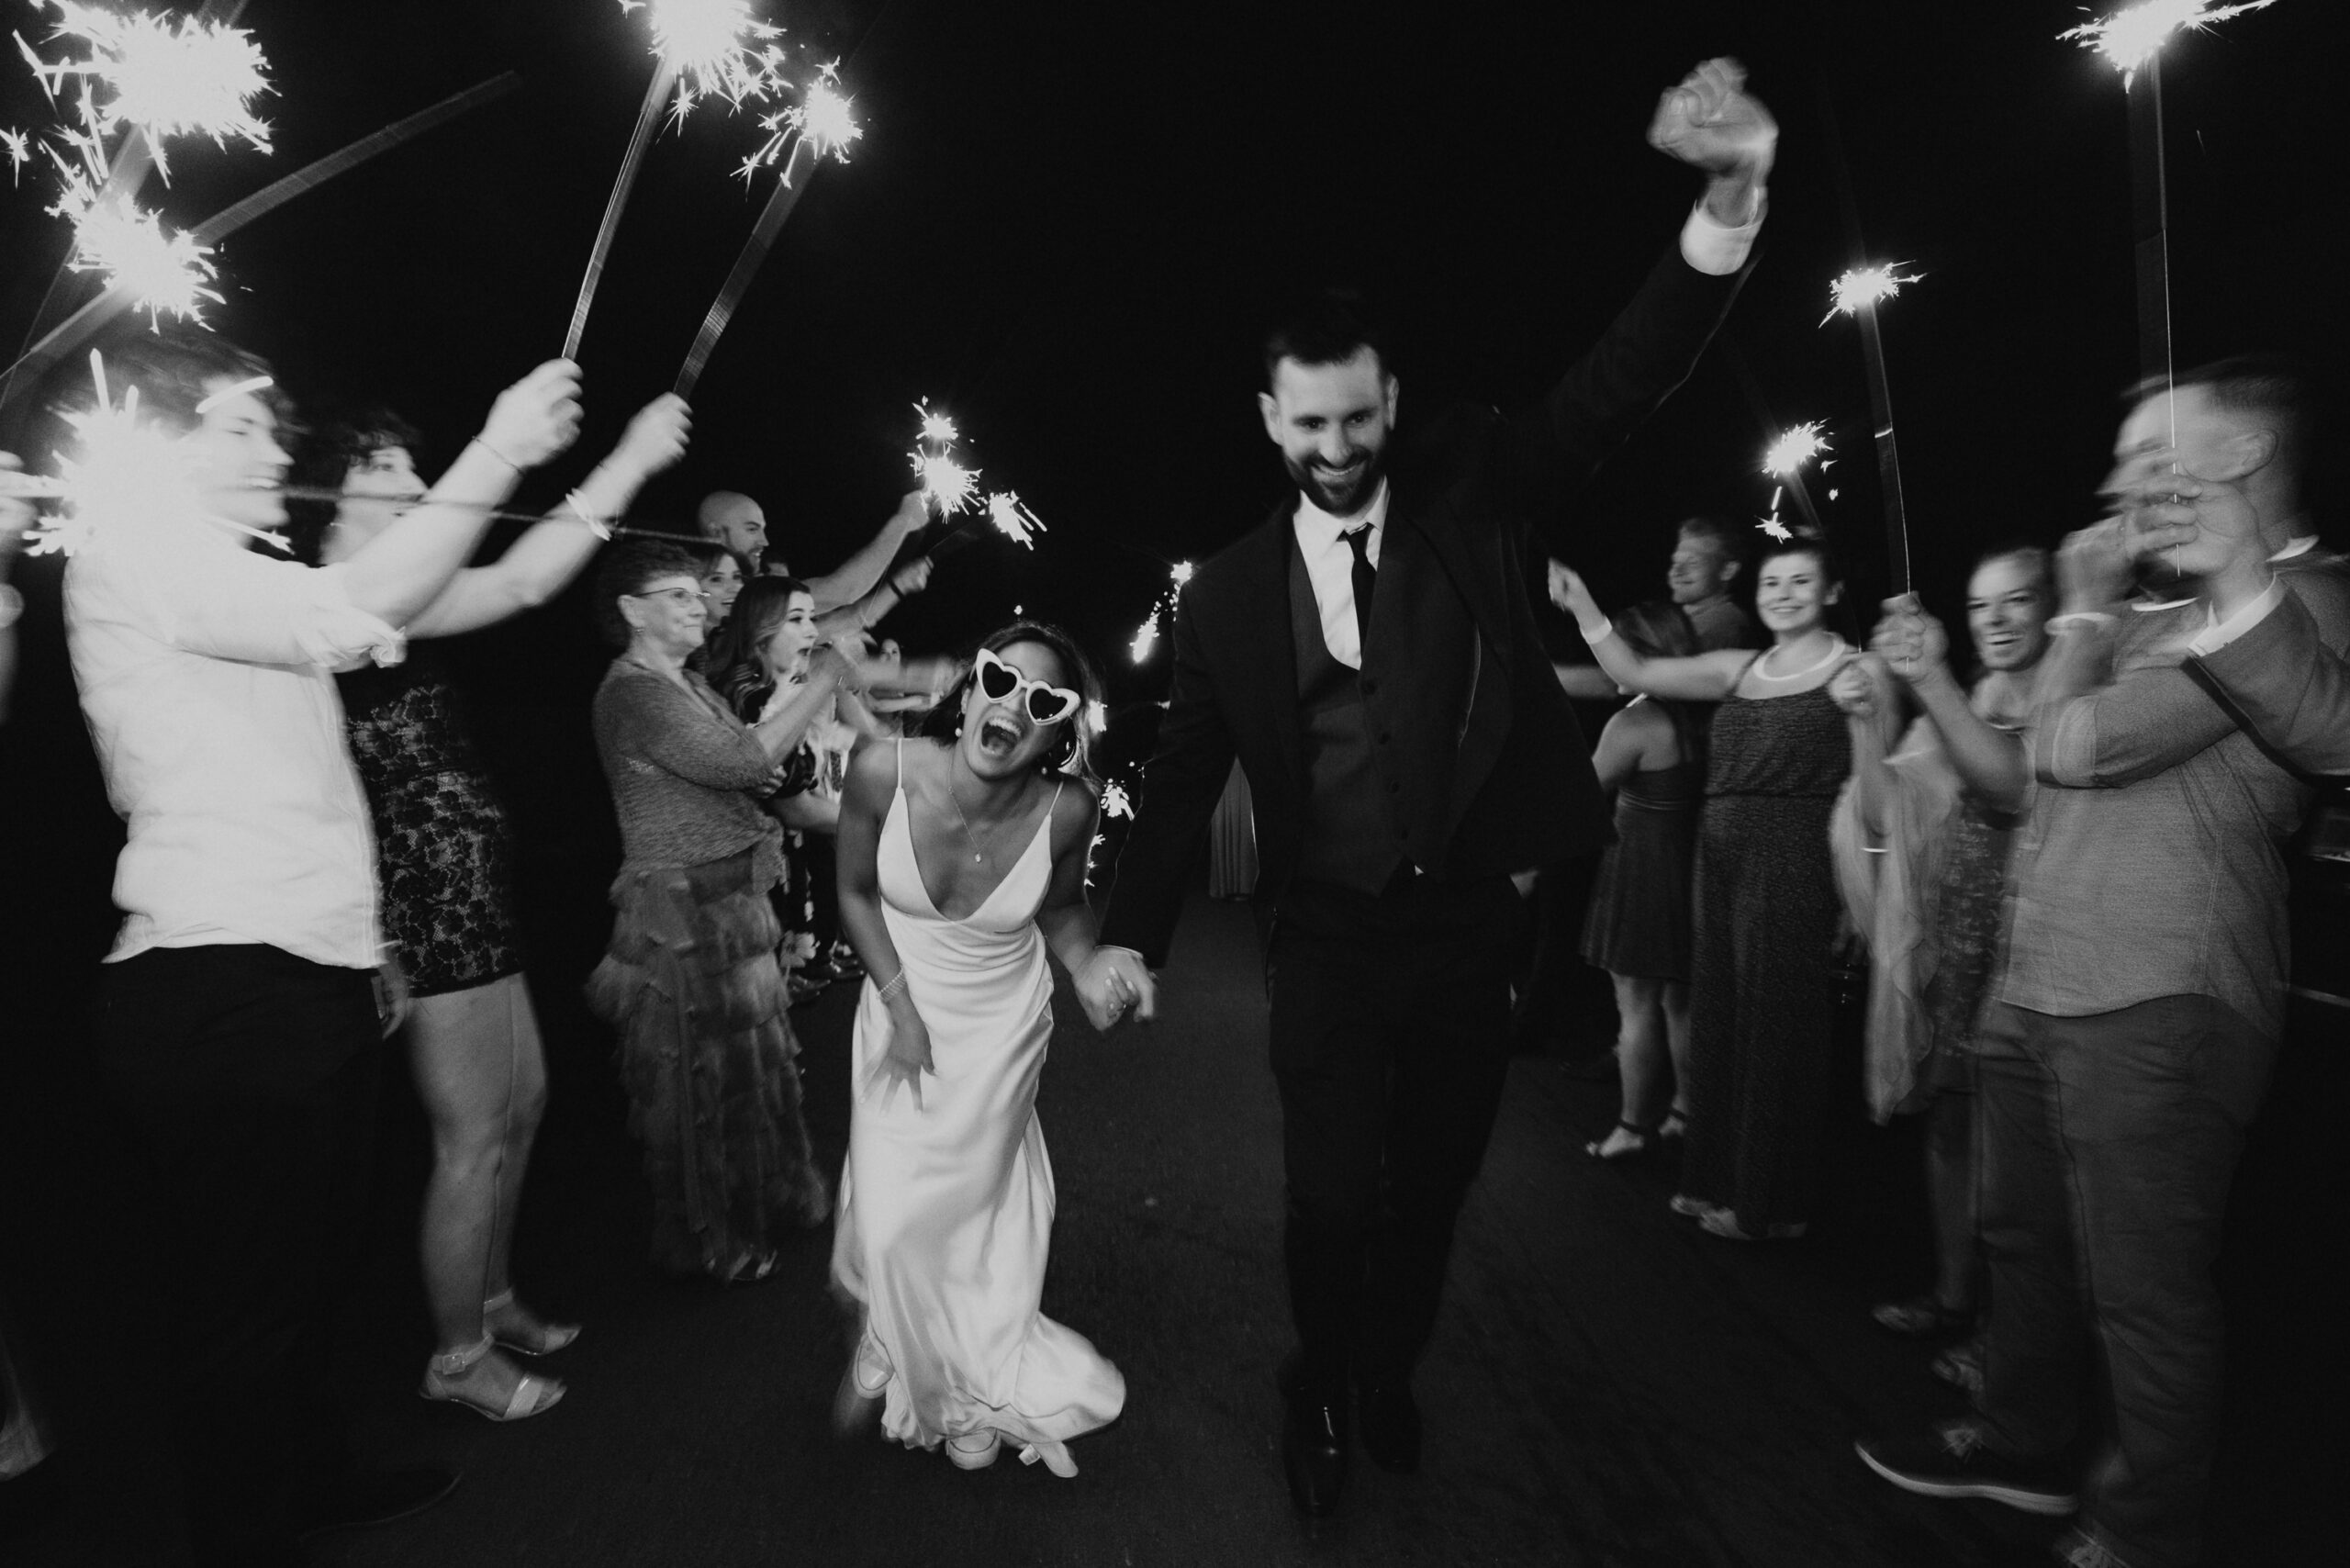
{"x": 167, "y": 75}
{"x": 2135, "y": 34}
{"x": 1147, "y": 636}
{"x": 161, "y": 272}
{"x": 713, "y": 49}
{"x": 821, "y": 123}
{"x": 1861, "y": 288}
{"x": 1014, "y": 519}
{"x": 1794, "y": 449}
{"x": 947, "y": 483}
{"x": 1116, "y": 802}
{"x": 19, "y": 152}
{"x": 937, "y": 429}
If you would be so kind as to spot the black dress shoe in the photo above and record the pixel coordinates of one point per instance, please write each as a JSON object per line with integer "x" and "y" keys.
{"x": 1391, "y": 1427}
{"x": 370, "y": 1497}
{"x": 1314, "y": 1452}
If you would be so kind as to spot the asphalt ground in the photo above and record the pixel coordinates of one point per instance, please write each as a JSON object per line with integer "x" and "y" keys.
{"x": 1608, "y": 1385}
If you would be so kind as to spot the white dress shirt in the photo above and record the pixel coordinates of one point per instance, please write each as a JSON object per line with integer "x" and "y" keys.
{"x": 204, "y": 673}
{"x": 2218, "y": 634}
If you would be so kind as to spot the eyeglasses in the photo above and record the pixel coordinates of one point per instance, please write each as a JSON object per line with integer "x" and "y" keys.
{"x": 674, "y": 595}
{"x": 1045, "y": 704}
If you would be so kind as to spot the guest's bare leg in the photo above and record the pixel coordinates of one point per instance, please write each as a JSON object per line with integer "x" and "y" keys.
{"x": 1641, "y": 1057}
{"x": 1676, "y": 1039}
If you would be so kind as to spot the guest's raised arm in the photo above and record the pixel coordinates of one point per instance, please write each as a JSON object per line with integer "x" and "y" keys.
{"x": 1706, "y": 677}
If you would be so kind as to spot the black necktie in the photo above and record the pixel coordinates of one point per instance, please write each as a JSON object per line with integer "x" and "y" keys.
{"x": 1366, "y": 576}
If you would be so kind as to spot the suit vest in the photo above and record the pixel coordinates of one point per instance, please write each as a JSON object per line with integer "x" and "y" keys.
{"x": 1350, "y": 835}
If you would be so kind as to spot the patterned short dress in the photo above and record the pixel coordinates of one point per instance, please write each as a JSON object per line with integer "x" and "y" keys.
{"x": 443, "y": 853}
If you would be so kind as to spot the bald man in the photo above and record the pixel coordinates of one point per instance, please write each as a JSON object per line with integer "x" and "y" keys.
{"x": 736, "y": 521}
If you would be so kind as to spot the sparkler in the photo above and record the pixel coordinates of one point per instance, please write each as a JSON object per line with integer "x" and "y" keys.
{"x": 1783, "y": 460}
{"x": 166, "y": 76}
{"x": 1147, "y": 635}
{"x": 705, "y": 48}
{"x": 2133, "y": 39}
{"x": 1857, "y": 294}
{"x": 93, "y": 317}
{"x": 20, "y": 153}
{"x": 1115, "y": 801}
{"x": 1014, "y": 519}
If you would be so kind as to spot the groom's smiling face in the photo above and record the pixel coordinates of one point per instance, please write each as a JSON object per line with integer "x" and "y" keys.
{"x": 1331, "y": 422}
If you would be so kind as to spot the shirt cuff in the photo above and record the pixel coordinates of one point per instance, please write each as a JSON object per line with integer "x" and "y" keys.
{"x": 1713, "y": 247}
{"x": 2218, "y": 634}
{"x": 339, "y": 633}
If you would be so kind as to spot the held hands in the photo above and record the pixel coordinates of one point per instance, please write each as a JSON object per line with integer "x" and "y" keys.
{"x": 1908, "y": 641}
{"x": 1709, "y": 122}
{"x": 1111, "y": 980}
{"x": 905, "y": 1059}
{"x": 656, "y": 437}
{"x": 537, "y": 418}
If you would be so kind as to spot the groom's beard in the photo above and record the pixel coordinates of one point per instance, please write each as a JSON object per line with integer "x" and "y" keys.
{"x": 1341, "y": 492}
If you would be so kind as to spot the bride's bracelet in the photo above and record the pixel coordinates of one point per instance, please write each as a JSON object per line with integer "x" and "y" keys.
{"x": 896, "y": 984}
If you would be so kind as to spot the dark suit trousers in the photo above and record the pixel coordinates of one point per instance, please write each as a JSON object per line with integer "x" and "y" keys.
{"x": 1390, "y": 1041}
{"x": 244, "y": 1079}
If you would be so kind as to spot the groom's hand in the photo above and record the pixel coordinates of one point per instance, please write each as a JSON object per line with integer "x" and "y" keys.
{"x": 1114, "y": 979}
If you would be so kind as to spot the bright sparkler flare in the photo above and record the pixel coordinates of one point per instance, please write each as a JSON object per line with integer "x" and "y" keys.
{"x": 1114, "y": 800}
{"x": 19, "y": 152}
{"x": 716, "y": 48}
{"x": 1097, "y": 716}
{"x": 2135, "y": 34}
{"x": 1180, "y": 573}
{"x": 1147, "y": 636}
{"x": 950, "y": 487}
{"x": 1775, "y": 529}
{"x": 168, "y": 75}
{"x": 122, "y": 466}
{"x": 1014, "y": 519}
{"x": 937, "y": 429}
{"x": 1794, "y": 449}
{"x": 161, "y": 272}
{"x": 821, "y": 122}
{"x": 1861, "y": 288}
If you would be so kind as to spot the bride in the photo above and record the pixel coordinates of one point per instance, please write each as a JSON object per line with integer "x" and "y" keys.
{"x": 962, "y": 858}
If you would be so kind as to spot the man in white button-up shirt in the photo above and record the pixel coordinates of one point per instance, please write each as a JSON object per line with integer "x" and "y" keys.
{"x": 236, "y": 1027}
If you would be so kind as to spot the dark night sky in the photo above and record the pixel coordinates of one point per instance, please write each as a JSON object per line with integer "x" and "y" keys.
{"x": 1067, "y": 221}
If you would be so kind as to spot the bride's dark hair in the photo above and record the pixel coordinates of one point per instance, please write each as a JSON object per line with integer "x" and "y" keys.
{"x": 1072, "y": 752}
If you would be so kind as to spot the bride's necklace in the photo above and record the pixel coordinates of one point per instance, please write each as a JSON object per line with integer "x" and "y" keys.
{"x": 1836, "y": 650}
{"x": 978, "y": 855}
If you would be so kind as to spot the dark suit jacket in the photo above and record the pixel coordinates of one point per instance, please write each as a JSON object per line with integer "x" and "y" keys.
{"x": 1489, "y": 769}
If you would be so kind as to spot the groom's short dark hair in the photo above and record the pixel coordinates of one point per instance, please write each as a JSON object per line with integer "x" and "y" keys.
{"x": 1328, "y": 327}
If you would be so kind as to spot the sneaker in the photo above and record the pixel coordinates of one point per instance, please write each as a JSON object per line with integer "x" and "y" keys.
{"x": 1951, "y": 1460}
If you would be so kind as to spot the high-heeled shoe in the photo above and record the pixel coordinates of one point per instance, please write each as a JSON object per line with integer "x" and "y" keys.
{"x": 513, "y": 1325}
{"x": 450, "y": 1375}
{"x": 974, "y": 1450}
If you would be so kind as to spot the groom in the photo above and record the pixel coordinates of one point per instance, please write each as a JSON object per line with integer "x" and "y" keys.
{"x": 1370, "y": 655}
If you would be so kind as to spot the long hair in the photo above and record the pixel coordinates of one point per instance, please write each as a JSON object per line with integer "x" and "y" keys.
{"x": 737, "y": 669}
{"x": 1658, "y": 629}
{"x": 1072, "y": 754}
{"x": 326, "y": 459}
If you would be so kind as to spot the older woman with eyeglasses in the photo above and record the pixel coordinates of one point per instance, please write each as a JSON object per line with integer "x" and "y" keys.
{"x": 690, "y": 979}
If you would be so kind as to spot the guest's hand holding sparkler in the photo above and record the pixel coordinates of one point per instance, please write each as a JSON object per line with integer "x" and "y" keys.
{"x": 2094, "y": 569}
{"x": 1710, "y": 122}
{"x": 536, "y": 420}
{"x": 2195, "y": 526}
{"x": 1853, "y": 688}
{"x": 1910, "y": 643}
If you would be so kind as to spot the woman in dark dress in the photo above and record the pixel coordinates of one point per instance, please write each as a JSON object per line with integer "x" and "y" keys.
{"x": 1762, "y": 983}
{"x": 444, "y": 866}
{"x": 1651, "y": 754}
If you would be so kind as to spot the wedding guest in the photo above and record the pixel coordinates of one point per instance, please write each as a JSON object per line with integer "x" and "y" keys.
{"x": 1763, "y": 980}
{"x": 236, "y": 1029}
{"x": 2137, "y": 1016}
{"x": 733, "y": 519}
{"x": 444, "y": 856}
{"x": 690, "y": 979}
{"x": 1651, "y": 756}
{"x": 1921, "y": 841}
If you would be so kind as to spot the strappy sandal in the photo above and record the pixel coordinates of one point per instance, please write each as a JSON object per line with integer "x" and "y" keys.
{"x": 1674, "y": 1125}
{"x": 1635, "y": 1144}
{"x": 1922, "y": 1317}
{"x": 449, "y": 1376}
{"x": 517, "y": 1328}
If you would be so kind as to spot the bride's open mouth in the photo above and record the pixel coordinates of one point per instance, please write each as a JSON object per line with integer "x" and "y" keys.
{"x": 998, "y": 735}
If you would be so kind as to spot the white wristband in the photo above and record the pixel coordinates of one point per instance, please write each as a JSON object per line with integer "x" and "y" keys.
{"x": 1607, "y": 630}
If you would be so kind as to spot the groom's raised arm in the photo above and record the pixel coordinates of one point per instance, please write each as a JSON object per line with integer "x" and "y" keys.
{"x": 1709, "y": 122}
